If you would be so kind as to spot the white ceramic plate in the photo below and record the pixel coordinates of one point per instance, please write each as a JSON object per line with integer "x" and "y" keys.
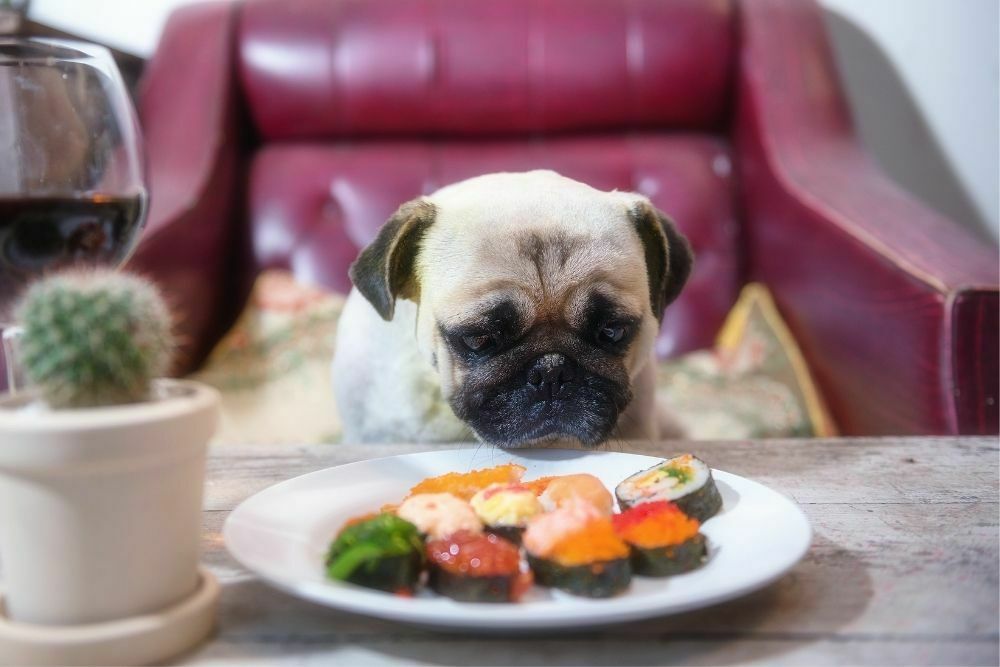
{"x": 282, "y": 534}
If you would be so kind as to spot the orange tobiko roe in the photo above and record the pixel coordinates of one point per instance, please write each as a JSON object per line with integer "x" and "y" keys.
{"x": 596, "y": 542}
{"x": 539, "y": 485}
{"x": 467, "y": 484}
{"x": 655, "y": 524}
{"x": 494, "y": 489}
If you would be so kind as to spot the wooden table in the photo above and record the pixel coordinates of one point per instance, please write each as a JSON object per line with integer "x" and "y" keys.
{"x": 903, "y": 570}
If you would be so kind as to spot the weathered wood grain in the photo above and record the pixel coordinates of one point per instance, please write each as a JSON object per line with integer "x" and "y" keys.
{"x": 903, "y": 569}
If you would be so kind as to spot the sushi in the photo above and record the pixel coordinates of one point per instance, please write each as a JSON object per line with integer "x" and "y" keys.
{"x": 663, "y": 540}
{"x": 476, "y": 567}
{"x": 684, "y": 480}
{"x": 575, "y": 548}
{"x": 464, "y": 485}
{"x": 506, "y": 509}
{"x": 586, "y": 487}
{"x": 382, "y": 551}
{"x": 438, "y": 515}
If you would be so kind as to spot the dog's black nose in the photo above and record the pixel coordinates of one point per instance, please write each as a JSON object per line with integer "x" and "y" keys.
{"x": 549, "y": 373}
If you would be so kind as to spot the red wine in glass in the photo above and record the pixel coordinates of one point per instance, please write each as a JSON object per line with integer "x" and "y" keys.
{"x": 72, "y": 186}
{"x": 40, "y": 234}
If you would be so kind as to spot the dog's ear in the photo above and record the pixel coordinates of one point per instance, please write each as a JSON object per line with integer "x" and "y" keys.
{"x": 384, "y": 271}
{"x": 668, "y": 255}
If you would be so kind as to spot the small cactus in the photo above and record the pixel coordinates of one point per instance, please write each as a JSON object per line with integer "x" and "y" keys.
{"x": 93, "y": 337}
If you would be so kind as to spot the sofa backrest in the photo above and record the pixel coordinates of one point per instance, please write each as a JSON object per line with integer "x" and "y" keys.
{"x": 361, "y": 105}
{"x": 347, "y": 68}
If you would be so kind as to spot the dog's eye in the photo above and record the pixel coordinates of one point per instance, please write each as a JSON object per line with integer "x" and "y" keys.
{"x": 477, "y": 343}
{"x": 612, "y": 333}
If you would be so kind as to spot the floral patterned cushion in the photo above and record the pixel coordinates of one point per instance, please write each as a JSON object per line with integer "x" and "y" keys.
{"x": 273, "y": 367}
{"x": 753, "y": 384}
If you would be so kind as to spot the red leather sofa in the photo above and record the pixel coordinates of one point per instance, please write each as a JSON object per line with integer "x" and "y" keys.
{"x": 282, "y": 133}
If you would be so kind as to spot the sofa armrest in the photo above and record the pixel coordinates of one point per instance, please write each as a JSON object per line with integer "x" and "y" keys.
{"x": 188, "y": 110}
{"x": 894, "y": 305}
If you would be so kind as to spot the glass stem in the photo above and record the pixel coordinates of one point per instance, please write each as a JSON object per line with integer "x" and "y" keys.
{"x": 11, "y": 358}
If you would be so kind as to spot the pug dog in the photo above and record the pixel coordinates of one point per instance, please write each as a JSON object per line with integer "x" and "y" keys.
{"x": 518, "y": 308}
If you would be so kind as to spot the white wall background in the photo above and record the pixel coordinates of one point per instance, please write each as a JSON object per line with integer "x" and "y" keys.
{"x": 922, "y": 77}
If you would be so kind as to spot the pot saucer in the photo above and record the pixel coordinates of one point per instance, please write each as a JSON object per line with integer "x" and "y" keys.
{"x": 136, "y": 640}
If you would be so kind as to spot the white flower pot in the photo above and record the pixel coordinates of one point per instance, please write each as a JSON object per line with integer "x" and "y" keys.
{"x": 100, "y": 509}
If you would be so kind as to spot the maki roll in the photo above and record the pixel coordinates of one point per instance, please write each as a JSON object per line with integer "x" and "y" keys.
{"x": 383, "y": 552}
{"x": 558, "y": 490}
{"x": 506, "y": 509}
{"x": 664, "y": 540}
{"x": 438, "y": 515}
{"x": 476, "y": 567}
{"x": 684, "y": 480}
{"x": 575, "y": 548}
{"x": 464, "y": 485}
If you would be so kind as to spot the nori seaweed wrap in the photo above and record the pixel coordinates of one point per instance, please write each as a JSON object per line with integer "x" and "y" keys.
{"x": 599, "y": 579}
{"x": 476, "y": 567}
{"x": 684, "y": 480}
{"x": 664, "y": 541}
{"x": 575, "y": 549}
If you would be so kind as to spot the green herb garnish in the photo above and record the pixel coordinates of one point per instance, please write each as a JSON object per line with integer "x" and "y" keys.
{"x": 365, "y": 544}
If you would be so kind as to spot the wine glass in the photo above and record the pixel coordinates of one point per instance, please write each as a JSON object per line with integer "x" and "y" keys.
{"x": 72, "y": 187}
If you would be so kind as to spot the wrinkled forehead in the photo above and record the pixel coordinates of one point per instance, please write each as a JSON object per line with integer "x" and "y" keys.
{"x": 543, "y": 271}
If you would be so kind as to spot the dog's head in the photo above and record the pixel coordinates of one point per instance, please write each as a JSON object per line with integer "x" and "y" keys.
{"x": 539, "y": 298}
